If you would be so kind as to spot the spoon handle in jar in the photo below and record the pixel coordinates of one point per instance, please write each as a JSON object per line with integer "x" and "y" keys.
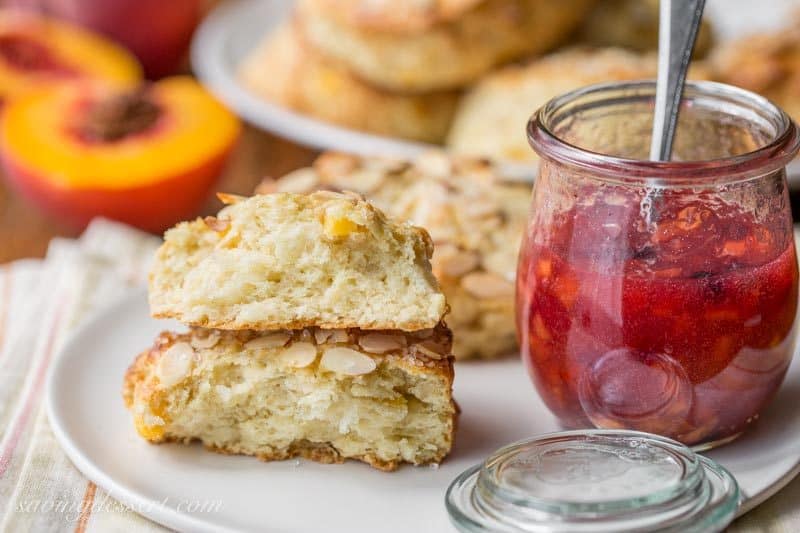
{"x": 679, "y": 23}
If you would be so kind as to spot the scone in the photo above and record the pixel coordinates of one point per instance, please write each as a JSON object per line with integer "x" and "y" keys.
{"x": 287, "y": 261}
{"x": 766, "y": 63}
{"x": 286, "y": 70}
{"x": 333, "y": 345}
{"x": 633, "y": 24}
{"x": 394, "y": 15}
{"x": 327, "y": 395}
{"x": 491, "y": 119}
{"x": 475, "y": 218}
{"x": 447, "y": 50}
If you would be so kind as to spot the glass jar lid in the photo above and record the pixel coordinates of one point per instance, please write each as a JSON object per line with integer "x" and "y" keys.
{"x": 593, "y": 480}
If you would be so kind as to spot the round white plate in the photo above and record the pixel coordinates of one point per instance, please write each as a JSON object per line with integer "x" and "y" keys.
{"x": 188, "y": 488}
{"x": 232, "y": 30}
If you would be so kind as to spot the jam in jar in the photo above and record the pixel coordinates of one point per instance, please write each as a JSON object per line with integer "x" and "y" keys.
{"x": 659, "y": 296}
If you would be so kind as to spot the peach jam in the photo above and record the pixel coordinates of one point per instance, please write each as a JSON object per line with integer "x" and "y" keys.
{"x": 659, "y": 297}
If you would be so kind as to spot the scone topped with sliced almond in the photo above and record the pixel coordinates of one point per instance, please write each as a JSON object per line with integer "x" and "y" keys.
{"x": 327, "y": 339}
{"x": 294, "y": 260}
{"x": 327, "y": 395}
{"x": 475, "y": 216}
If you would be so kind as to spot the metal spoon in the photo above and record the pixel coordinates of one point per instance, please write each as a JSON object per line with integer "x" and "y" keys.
{"x": 679, "y": 21}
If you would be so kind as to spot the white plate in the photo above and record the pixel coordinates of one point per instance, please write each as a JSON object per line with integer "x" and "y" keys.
{"x": 236, "y": 27}
{"x": 499, "y": 406}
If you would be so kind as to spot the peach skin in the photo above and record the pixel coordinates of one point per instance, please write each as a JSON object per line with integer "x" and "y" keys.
{"x": 36, "y": 51}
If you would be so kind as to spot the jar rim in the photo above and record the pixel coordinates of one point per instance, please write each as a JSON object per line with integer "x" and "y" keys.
{"x": 615, "y": 480}
{"x": 771, "y": 156}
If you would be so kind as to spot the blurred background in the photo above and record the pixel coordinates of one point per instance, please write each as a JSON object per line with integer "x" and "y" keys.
{"x": 138, "y": 110}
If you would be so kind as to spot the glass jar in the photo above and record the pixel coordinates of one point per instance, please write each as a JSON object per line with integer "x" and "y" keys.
{"x": 604, "y": 481}
{"x": 659, "y": 296}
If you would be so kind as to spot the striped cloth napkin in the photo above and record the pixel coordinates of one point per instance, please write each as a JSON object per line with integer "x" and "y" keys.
{"x": 41, "y": 302}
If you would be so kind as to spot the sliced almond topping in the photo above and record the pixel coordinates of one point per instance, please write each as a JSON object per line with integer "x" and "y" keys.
{"x": 480, "y": 209}
{"x": 270, "y": 340}
{"x": 338, "y": 335}
{"x": 230, "y": 199}
{"x": 360, "y": 180}
{"x": 434, "y": 164}
{"x": 175, "y": 363}
{"x": 331, "y": 165}
{"x": 300, "y": 180}
{"x": 456, "y": 263}
{"x": 429, "y": 349}
{"x": 322, "y": 335}
{"x": 204, "y": 343}
{"x": 346, "y": 361}
{"x": 479, "y": 171}
{"x": 299, "y": 354}
{"x": 381, "y": 342}
{"x": 502, "y": 263}
{"x": 484, "y": 285}
{"x": 491, "y": 223}
{"x": 385, "y": 165}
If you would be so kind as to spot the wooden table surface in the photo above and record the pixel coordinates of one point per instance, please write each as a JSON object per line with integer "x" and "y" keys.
{"x": 25, "y": 231}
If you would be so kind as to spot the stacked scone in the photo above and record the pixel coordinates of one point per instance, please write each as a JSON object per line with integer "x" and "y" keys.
{"x": 475, "y": 217}
{"x": 396, "y": 68}
{"x": 286, "y": 69}
{"x": 315, "y": 330}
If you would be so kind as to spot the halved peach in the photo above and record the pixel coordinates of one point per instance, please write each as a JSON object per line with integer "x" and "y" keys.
{"x": 147, "y": 157}
{"x": 35, "y": 51}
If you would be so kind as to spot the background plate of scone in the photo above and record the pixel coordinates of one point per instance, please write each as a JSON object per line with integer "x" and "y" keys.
{"x": 393, "y": 78}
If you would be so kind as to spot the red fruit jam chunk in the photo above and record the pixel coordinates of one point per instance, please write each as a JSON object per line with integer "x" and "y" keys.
{"x": 682, "y": 327}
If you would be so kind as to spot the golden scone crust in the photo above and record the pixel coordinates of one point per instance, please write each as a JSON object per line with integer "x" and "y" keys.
{"x": 491, "y": 119}
{"x": 256, "y": 393}
{"x": 475, "y": 218}
{"x": 396, "y": 15}
{"x": 766, "y": 63}
{"x": 287, "y": 261}
{"x": 633, "y": 24}
{"x": 286, "y": 70}
{"x": 446, "y": 55}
